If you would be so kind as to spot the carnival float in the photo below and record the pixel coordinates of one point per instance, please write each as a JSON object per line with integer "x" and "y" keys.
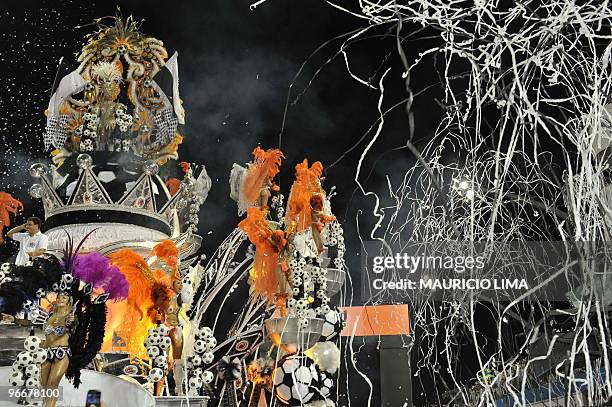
{"x": 123, "y": 299}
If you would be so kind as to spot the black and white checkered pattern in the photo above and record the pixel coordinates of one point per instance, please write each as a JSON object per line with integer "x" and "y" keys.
{"x": 55, "y": 133}
{"x": 166, "y": 124}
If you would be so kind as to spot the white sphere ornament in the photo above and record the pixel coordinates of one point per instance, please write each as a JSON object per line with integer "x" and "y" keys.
{"x": 162, "y": 330}
{"x": 155, "y": 338}
{"x": 165, "y": 343}
{"x": 32, "y": 371}
{"x": 36, "y": 191}
{"x": 32, "y": 382}
{"x": 84, "y": 161}
{"x": 16, "y": 379}
{"x": 332, "y": 325}
{"x": 150, "y": 167}
{"x": 161, "y": 361}
{"x": 211, "y": 342}
{"x": 37, "y": 170}
{"x": 208, "y": 357}
{"x": 295, "y": 380}
{"x": 205, "y": 332}
{"x": 208, "y": 377}
{"x": 156, "y": 374}
{"x": 39, "y": 356}
{"x": 326, "y": 383}
{"x": 195, "y": 382}
{"x": 153, "y": 352}
{"x": 24, "y": 358}
{"x": 200, "y": 346}
{"x": 195, "y": 361}
{"x": 147, "y": 343}
{"x": 32, "y": 343}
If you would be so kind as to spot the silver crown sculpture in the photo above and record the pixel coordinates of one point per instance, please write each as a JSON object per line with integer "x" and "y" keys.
{"x": 113, "y": 130}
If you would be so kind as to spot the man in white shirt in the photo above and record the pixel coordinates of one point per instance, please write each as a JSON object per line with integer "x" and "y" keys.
{"x": 32, "y": 242}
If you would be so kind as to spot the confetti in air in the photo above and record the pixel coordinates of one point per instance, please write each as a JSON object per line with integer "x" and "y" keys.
{"x": 519, "y": 155}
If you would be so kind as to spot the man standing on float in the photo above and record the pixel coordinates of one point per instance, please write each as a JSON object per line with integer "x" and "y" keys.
{"x": 32, "y": 243}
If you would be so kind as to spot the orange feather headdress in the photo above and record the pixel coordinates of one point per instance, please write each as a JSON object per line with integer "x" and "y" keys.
{"x": 265, "y": 166}
{"x": 166, "y": 251}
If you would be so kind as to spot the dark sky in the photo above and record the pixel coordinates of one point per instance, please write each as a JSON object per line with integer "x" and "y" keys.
{"x": 236, "y": 68}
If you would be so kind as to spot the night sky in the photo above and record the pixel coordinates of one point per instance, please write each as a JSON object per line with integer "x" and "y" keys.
{"x": 237, "y": 66}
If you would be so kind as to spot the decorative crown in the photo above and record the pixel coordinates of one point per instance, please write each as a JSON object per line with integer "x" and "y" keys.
{"x": 113, "y": 127}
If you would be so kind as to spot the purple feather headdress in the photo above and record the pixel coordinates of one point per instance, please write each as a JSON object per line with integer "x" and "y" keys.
{"x": 95, "y": 269}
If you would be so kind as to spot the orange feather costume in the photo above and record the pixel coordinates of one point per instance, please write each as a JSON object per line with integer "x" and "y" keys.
{"x": 306, "y": 198}
{"x": 148, "y": 296}
{"x": 264, "y": 167}
{"x": 268, "y": 243}
{"x": 8, "y": 206}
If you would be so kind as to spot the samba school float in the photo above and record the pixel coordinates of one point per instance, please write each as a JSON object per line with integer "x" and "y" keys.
{"x": 121, "y": 287}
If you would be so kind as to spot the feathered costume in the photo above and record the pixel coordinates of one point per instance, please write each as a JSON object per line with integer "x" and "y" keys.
{"x": 268, "y": 244}
{"x": 306, "y": 198}
{"x": 23, "y": 282}
{"x": 91, "y": 274}
{"x": 148, "y": 296}
{"x": 100, "y": 276}
{"x": 8, "y": 206}
{"x": 265, "y": 166}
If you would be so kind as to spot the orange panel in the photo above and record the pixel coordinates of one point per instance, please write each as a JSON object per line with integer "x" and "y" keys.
{"x": 376, "y": 320}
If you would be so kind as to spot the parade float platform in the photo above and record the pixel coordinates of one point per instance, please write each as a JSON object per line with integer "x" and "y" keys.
{"x": 116, "y": 392}
{"x": 11, "y": 341}
{"x": 175, "y": 401}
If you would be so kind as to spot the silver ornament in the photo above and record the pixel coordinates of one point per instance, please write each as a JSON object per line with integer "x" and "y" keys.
{"x": 37, "y": 170}
{"x": 84, "y": 161}
{"x": 36, "y": 191}
{"x": 150, "y": 167}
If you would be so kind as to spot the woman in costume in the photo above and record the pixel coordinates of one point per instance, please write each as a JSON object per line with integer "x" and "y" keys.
{"x": 154, "y": 297}
{"x": 57, "y": 335}
{"x": 75, "y": 325}
{"x": 257, "y": 186}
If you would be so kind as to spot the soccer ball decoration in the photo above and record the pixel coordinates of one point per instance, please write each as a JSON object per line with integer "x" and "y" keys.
{"x": 203, "y": 355}
{"x": 24, "y": 359}
{"x": 155, "y": 344}
{"x": 5, "y": 270}
{"x": 32, "y": 343}
{"x": 333, "y": 237}
{"x": 332, "y": 326}
{"x": 156, "y": 374}
{"x": 26, "y": 369}
{"x": 326, "y": 384}
{"x": 296, "y": 380}
{"x": 17, "y": 379}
